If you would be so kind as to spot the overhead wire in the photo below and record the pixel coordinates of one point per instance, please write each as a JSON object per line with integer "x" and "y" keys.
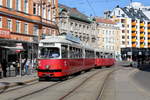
{"x": 91, "y": 7}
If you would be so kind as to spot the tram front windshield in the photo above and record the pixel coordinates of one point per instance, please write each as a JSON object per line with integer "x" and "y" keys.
{"x": 49, "y": 52}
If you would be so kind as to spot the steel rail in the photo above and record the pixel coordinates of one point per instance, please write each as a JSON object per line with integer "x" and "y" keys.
{"x": 84, "y": 81}
{"x": 99, "y": 97}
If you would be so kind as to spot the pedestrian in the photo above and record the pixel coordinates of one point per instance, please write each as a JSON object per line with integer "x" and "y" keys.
{"x": 1, "y": 71}
{"x": 4, "y": 67}
{"x": 18, "y": 67}
{"x": 27, "y": 66}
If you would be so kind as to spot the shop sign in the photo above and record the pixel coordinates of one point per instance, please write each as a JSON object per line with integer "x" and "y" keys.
{"x": 4, "y": 33}
{"x": 19, "y": 47}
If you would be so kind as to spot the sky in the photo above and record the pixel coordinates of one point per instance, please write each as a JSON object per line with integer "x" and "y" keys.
{"x": 97, "y": 7}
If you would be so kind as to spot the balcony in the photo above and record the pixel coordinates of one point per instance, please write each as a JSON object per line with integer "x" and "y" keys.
{"x": 142, "y": 30}
{"x": 148, "y": 46}
{"x": 148, "y": 24}
{"x": 134, "y": 45}
{"x": 133, "y": 34}
{"x": 134, "y": 29}
{"x": 142, "y": 40}
{"x": 142, "y": 35}
{"x": 141, "y": 24}
{"x": 149, "y": 35}
{"x": 141, "y": 45}
{"x": 133, "y": 23}
{"x": 148, "y": 30}
{"x": 134, "y": 40}
{"x": 148, "y": 41}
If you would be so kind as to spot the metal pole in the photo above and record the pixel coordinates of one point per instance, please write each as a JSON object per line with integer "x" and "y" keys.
{"x": 32, "y": 60}
{"x": 20, "y": 64}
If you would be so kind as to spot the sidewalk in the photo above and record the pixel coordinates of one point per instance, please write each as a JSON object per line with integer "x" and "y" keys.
{"x": 18, "y": 80}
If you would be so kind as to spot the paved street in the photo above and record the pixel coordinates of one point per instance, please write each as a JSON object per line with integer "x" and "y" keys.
{"x": 122, "y": 86}
{"x": 142, "y": 79}
{"x": 125, "y": 83}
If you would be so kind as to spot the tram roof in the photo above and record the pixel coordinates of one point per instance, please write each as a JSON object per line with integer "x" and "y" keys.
{"x": 58, "y": 39}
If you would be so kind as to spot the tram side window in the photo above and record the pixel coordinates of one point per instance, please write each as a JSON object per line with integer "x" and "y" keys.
{"x": 64, "y": 51}
{"x": 71, "y": 51}
{"x": 89, "y": 54}
{"x": 80, "y": 53}
{"x": 75, "y": 52}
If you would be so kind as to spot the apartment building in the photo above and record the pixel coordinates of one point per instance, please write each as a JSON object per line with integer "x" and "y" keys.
{"x": 76, "y": 23}
{"x": 23, "y": 23}
{"x": 108, "y": 36}
{"x": 135, "y": 31}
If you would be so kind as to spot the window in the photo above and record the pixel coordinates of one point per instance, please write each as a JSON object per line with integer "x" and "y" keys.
{"x": 44, "y": 13}
{"x": 18, "y": 26}
{"x": 9, "y": 24}
{"x": 18, "y": 5}
{"x": 9, "y": 3}
{"x": 123, "y": 31}
{"x": 35, "y": 30}
{"x": 34, "y": 9}
{"x": 38, "y": 9}
{"x": 26, "y": 6}
{"x": 0, "y": 2}
{"x": 49, "y": 14}
{"x": 0, "y": 22}
{"x": 119, "y": 12}
{"x": 49, "y": 52}
{"x": 25, "y": 28}
{"x": 64, "y": 50}
{"x": 123, "y": 42}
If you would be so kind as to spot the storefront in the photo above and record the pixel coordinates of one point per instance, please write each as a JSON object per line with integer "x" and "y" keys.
{"x": 14, "y": 48}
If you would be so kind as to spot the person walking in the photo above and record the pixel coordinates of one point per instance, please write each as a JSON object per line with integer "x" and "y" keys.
{"x": 1, "y": 71}
{"x": 27, "y": 66}
{"x": 4, "y": 67}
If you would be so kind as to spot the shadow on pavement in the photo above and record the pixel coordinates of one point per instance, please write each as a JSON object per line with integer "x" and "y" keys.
{"x": 8, "y": 85}
{"x": 145, "y": 67}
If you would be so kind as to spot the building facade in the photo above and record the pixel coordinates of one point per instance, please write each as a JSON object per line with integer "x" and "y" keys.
{"x": 24, "y": 23}
{"x": 79, "y": 25}
{"x": 109, "y": 36}
{"x": 135, "y": 31}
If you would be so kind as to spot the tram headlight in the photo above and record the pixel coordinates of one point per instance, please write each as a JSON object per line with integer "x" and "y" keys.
{"x": 47, "y": 66}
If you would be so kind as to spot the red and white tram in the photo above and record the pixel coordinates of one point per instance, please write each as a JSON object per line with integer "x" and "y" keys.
{"x": 61, "y": 56}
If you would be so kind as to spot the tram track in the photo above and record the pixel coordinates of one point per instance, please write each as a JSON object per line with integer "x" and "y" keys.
{"x": 55, "y": 84}
{"x": 83, "y": 82}
{"x": 47, "y": 87}
{"x": 99, "y": 97}
{"x": 37, "y": 91}
{"x": 101, "y": 89}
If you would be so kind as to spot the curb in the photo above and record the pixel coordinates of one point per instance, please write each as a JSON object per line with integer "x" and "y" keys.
{"x": 17, "y": 84}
